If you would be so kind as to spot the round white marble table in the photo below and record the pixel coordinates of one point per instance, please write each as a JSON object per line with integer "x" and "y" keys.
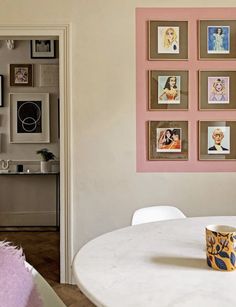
{"x": 157, "y": 264}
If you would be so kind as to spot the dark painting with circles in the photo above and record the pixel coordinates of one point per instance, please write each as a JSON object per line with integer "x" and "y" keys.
{"x": 29, "y": 116}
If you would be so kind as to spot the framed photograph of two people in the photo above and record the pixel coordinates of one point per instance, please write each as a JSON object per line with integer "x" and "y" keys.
{"x": 168, "y": 140}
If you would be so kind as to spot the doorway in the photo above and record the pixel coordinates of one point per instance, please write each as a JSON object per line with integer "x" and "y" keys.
{"x": 62, "y": 33}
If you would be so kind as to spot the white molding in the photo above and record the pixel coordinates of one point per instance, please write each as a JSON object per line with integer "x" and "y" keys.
{"x": 63, "y": 32}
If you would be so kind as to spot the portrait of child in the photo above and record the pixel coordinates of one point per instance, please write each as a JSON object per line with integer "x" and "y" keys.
{"x": 218, "y": 39}
{"x": 168, "y": 39}
{"x": 218, "y": 90}
{"x": 168, "y": 89}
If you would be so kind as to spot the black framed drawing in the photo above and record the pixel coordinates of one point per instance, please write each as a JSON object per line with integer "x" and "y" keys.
{"x": 29, "y": 118}
{"x": 42, "y": 49}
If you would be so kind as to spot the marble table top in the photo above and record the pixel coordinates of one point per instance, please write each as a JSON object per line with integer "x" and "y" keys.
{"x": 157, "y": 264}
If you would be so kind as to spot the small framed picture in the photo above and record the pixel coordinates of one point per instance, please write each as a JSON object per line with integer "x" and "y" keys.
{"x": 168, "y": 140}
{"x": 168, "y": 40}
{"x": 1, "y": 90}
{"x": 217, "y": 140}
{"x": 29, "y": 118}
{"x": 216, "y": 39}
{"x": 42, "y": 49}
{"x": 21, "y": 75}
{"x": 217, "y": 90}
{"x": 168, "y": 90}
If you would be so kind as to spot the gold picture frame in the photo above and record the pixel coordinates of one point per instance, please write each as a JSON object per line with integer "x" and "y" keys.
{"x": 168, "y": 140}
{"x": 168, "y": 40}
{"x": 217, "y": 140}
{"x": 217, "y": 90}
{"x": 168, "y": 90}
{"x": 216, "y": 39}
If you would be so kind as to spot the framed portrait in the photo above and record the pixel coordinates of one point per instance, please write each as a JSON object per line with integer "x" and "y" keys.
{"x": 217, "y": 90}
{"x": 42, "y": 49}
{"x": 217, "y": 140}
{"x": 168, "y": 90}
{"x": 49, "y": 75}
{"x": 168, "y": 140}
{"x": 216, "y": 39}
{"x": 1, "y": 90}
{"x": 29, "y": 118}
{"x": 21, "y": 75}
{"x": 168, "y": 40}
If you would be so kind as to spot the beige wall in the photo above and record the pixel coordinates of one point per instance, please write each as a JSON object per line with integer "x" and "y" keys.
{"x": 21, "y": 55}
{"x": 106, "y": 187}
{"x": 38, "y": 205}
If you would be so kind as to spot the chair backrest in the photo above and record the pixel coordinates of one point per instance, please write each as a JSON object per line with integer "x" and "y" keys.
{"x": 156, "y": 213}
{"x": 46, "y": 292}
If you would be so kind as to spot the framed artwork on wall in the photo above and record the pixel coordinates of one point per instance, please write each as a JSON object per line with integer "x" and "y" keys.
{"x": 49, "y": 75}
{"x": 168, "y": 40}
{"x": 167, "y": 140}
{"x": 168, "y": 90}
{"x": 216, "y": 39}
{"x": 29, "y": 118}
{"x": 217, "y": 140}
{"x": 1, "y": 90}
{"x": 42, "y": 49}
{"x": 21, "y": 75}
{"x": 217, "y": 90}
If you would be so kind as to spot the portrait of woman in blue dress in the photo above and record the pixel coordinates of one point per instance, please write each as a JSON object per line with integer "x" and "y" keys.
{"x": 218, "y": 39}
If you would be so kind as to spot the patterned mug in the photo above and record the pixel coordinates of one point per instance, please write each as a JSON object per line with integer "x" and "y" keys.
{"x": 221, "y": 247}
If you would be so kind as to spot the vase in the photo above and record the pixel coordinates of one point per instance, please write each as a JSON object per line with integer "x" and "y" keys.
{"x": 45, "y": 166}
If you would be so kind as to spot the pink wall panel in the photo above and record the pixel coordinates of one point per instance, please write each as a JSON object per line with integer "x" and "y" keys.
{"x": 193, "y": 65}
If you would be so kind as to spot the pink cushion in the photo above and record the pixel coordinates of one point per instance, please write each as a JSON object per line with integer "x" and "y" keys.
{"x": 17, "y": 288}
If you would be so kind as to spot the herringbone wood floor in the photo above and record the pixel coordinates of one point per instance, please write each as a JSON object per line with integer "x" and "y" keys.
{"x": 42, "y": 252}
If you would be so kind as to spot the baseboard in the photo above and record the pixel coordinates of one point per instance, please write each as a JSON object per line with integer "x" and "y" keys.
{"x": 14, "y": 219}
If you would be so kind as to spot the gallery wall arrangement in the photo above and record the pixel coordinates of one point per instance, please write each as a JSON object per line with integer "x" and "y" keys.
{"x": 185, "y": 89}
{"x": 29, "y": 101}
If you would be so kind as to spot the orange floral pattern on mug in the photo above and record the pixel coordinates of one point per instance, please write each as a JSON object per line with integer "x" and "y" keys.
{"x": 221, "y": 247}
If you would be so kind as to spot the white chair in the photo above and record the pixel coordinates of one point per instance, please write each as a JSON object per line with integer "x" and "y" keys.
{"x": 156, "y": 213}
{"x": 47, "y": 294}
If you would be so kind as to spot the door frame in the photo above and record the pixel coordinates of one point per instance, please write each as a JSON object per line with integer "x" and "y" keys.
{"x": 63, "y": 32}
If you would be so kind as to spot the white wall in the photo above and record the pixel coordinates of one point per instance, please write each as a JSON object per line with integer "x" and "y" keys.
{"x": 106, "y": 187}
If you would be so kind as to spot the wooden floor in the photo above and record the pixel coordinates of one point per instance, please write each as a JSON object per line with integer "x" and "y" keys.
{"x": 42, "y": 252}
